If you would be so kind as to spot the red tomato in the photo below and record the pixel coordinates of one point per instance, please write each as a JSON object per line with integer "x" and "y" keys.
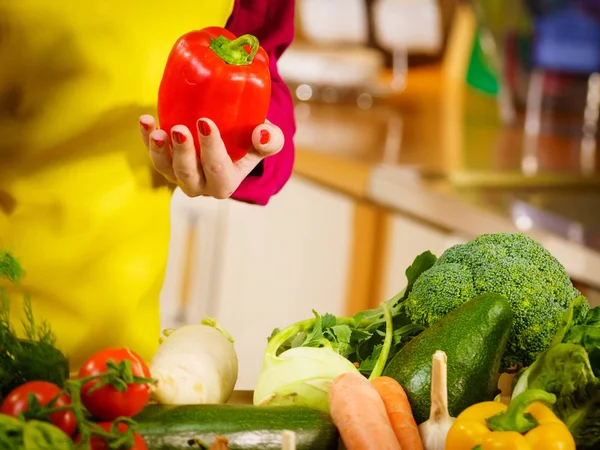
{"x": 107, "y": 403}
{"x": 98, "y": 443}
{"x": 17, "y": 402}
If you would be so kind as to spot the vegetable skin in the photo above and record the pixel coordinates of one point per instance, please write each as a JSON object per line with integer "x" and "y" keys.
{"x": 435, "y": 429}
{"x": 170, "y": 427}
{"x": 360, "y": 415}
{"x": 399, "y": 412}
{"x": 474, "y": 337}
{"x": 195, "y": 364}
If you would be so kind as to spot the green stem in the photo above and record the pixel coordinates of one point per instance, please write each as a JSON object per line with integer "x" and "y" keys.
{"x": 74, "y": 390}
{"x": 326, "y": 343}
{"x": 87, "y": 428}
{"x": 283, "y": 335}
{"x": 166, "y": 333}
{"x": 515, "y": 418}
{"x": 305, "y": 325}
{"x": 120, "y": 376}
{"x": 395, "y": 298}
{"x": 387, "y": 343}
{"x": 209, "y": 321}
{"x": 233, "y": 51}
{"x": 278, "y": 340}
{"x": 565, "y": 324}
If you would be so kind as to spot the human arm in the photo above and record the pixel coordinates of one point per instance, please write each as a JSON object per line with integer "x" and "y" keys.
{"x": 268, "y": 166}
{"x": 274, "y": 27}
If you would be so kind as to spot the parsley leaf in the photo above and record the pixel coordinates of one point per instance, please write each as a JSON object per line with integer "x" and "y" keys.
{"x": 360, "y": 338}
{"x": 315, "y": 337}
{"x": 327, "y": 320}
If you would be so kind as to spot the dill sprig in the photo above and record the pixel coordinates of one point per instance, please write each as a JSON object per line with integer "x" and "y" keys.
{"x": 34, "y": 357}
{"x": 10, "y": 268}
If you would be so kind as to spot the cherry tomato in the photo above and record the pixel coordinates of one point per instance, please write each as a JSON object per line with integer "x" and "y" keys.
{"x": 17, "y": 401}
{"x": 98, "y": 443}
{"x": 107, "y": 403}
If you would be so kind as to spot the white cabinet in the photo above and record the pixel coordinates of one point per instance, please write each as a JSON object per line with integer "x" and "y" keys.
{"x": 408, "y": 238}
{"x": 256, "y": 268}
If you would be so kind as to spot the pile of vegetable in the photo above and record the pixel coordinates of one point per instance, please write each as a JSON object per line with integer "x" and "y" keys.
{"x": 41, "y": 408}
{"x": 119, "y": 402}
{"x": 420, "y": 372}
{"x": 499, "y": 303}
{"x": 93, "y": 411}
{"x": 570, "y": 370}
{"x": 302, "y": 360}
{"x": 535, "y": 285}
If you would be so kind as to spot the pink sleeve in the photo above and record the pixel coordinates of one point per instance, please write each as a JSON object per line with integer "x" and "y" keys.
{"x": 272, "y": 22}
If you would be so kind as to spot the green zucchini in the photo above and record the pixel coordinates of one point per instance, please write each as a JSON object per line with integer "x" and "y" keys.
{"x": 247, "y": 427}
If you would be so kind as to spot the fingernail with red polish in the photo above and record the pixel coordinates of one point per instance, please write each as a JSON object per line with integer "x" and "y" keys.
{"x": 179, "y": 137}
{"x": 204, "y": 127}
{"x": 144, "y": 125}
{"x": 265, "y": 137}
{"x": 158, "y": 142}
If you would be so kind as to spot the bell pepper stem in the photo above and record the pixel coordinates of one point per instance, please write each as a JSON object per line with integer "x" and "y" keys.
{"x": 234, "y": 51}
{"x": 515, "y": 418}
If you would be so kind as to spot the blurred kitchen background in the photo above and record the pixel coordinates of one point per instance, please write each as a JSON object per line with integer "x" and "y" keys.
{"x": 421, "y": 124}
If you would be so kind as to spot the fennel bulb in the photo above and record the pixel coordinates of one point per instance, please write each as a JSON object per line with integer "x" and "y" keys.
{"x": 195, "y": 364}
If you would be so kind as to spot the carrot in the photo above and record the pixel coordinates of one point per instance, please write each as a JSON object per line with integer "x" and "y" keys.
{"x": 399, "y": 412}
{"x": 220, "y": 443}
{"x": 359, "y": 414}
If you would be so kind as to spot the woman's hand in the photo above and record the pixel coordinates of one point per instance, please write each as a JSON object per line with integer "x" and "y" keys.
{"x": 214, "y": 174}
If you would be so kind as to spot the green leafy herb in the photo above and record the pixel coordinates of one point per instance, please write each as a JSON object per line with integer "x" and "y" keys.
{"x": 10, "y": 268}
{"x": 422, "y": 263}
{"x": 593, "y": 317}
{"x": 17, "y": 434}
{"x": 570, "y": 369}
{"x": 302, "y": 360}
{"x": 369, "y": 335}
{"x": 32, "y": 358}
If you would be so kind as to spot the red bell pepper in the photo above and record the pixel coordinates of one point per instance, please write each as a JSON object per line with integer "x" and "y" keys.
{"x": 211, "y": 73}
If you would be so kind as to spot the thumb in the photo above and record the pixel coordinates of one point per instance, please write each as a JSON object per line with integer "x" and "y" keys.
{"x": 267, "y": 139}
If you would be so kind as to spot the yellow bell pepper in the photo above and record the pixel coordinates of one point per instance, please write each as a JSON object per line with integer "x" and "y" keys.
{"x": 525, "y": 424}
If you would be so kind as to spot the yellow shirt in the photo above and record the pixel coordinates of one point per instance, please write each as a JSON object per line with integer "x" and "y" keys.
{"x": 77, "y": 203}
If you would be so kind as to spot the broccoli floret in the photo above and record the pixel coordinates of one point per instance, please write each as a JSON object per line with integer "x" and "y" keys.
{"x": 451, "y": 282}
{"x": 510, "y": 264}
